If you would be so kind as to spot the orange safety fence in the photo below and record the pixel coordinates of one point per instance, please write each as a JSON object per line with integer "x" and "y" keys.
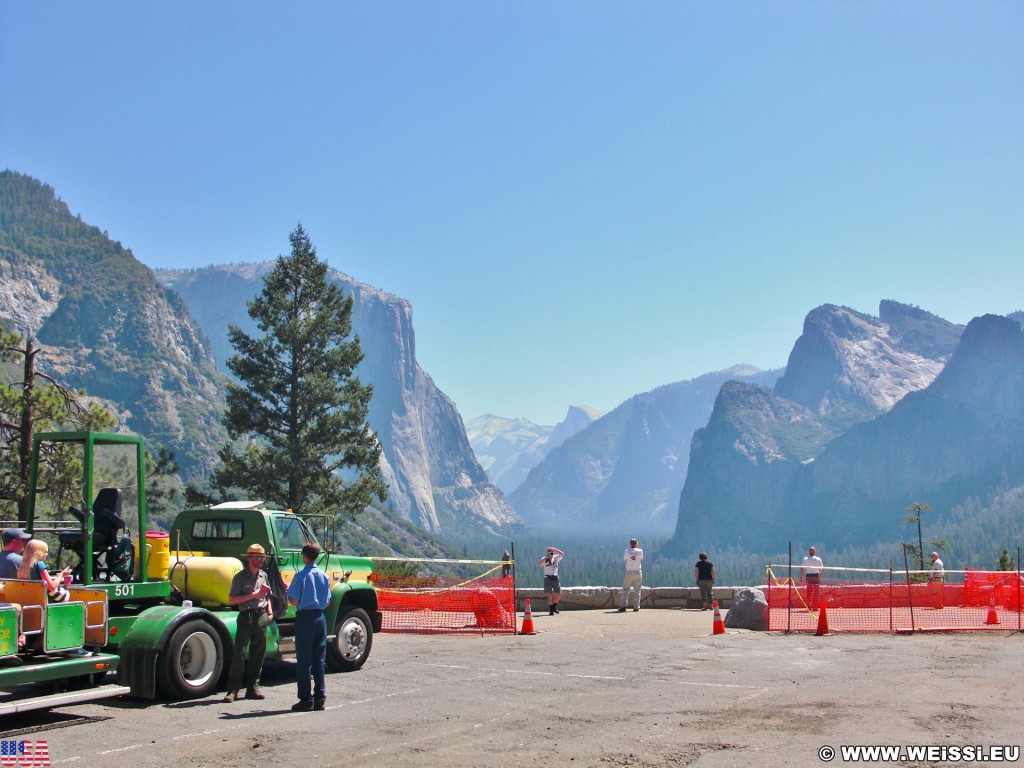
{"x": 448, "y": 604}
{"x": 876, "y": 600}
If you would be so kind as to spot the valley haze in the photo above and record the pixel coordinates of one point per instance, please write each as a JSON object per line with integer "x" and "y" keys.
{"x": 871, "y": 414}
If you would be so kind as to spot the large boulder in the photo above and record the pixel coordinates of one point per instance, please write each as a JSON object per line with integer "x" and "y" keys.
{"x": 749, "y": 611}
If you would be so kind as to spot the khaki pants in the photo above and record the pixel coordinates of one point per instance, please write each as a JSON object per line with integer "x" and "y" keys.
{"x": 632, "y": 581}
{"x": 251, "y": 633}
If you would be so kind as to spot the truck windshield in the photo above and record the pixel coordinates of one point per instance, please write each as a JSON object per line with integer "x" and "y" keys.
{"x": 292, "y": 533}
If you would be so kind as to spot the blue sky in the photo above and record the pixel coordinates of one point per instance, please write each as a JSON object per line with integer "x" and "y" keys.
{"x": 581, "y": 200}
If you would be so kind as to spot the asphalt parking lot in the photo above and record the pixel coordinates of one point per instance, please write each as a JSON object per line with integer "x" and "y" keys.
{"x": 592, "y": 688}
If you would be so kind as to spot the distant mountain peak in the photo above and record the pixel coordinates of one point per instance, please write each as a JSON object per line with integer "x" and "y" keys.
{"x": 592, "y": 411}
{"x": 847, "y": 362}
{"x": 508, "y": 448}
{"x": 890, "y": 311}
{"x": 577, "y": 418}
{"x": 991, "y": 354}
{"x": 742, "y": 370}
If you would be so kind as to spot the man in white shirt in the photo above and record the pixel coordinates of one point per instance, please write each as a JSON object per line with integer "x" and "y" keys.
{"x": 634, "y": 558}
{"x": 810, "y": 573}
{"x": 552, "y": 587}
{"x": 936, "y": 579}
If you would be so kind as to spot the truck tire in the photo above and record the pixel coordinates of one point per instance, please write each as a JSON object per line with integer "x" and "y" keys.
{"x": 353, "y": 638}
{"x": 191, "y": 663}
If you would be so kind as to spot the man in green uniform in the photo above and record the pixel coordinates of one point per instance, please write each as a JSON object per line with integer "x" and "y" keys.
{"x": 250, "y": 591}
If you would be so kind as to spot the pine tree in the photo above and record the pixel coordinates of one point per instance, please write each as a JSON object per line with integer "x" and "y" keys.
{"x": 1006, "y": 563}
{"x": 915, "y": 515}
{"x": 298, "y": 416}
{"x": 36, "y": 402}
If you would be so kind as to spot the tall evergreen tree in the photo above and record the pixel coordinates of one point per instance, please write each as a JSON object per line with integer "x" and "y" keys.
{"x": 915, "y": 516}
{"x": 299, "y": 398}
{"x": 32, "y": 401}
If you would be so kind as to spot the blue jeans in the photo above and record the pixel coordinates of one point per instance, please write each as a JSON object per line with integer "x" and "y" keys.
{"x": 310, "y": 655}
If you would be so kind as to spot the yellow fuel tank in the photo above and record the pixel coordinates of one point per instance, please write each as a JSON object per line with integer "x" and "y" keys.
{"x": 204, "y": 580}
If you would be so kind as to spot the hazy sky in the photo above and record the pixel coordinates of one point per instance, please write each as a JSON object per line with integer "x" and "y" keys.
{"x": 581, "y": 200}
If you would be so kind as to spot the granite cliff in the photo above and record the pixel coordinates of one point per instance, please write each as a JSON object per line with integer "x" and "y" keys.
{"x": 960, "y": 438}
{"x": 752, "y": 473}
{"x": 433, "y": 477}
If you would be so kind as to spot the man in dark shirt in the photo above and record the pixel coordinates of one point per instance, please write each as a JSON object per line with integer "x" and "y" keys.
{"x": 704, "y": 575}
{"x": 250, "y": 591}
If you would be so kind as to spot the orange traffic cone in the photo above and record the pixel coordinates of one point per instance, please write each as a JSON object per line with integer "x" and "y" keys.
{"x": 822, "y": 621}
{"x": 992, "y": 617}
{"x": 718, "y": 628}
{"x": 528, "y": 621}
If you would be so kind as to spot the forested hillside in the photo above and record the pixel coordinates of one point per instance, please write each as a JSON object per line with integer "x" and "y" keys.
{"x": 105, "y": 324}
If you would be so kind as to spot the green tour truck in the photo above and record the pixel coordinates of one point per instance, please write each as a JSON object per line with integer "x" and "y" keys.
{"x": 152, "y": 605}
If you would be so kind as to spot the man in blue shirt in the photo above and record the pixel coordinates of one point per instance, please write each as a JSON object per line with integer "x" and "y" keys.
{"x": 310, "y": 593}
{"x": 14, "y": 544}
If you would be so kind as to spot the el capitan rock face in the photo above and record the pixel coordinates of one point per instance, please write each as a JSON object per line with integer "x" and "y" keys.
{"x": 433, "y": 476}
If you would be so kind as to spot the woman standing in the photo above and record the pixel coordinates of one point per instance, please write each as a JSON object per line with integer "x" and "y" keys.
{"x": 704, "y": 575}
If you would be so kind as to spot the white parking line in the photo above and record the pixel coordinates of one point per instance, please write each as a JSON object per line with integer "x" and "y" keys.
{"x": 129, "y": 748}
{"x": 521, "y": 671}
{"x": 758, "y": 688}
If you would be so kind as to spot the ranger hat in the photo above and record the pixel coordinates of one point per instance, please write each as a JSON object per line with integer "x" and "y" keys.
{"x": 255, "y": 549}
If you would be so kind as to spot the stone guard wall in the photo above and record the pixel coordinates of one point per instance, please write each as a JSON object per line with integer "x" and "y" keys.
{"x": 591, "y": 598}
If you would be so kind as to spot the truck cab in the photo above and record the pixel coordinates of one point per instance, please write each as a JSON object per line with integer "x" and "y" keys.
{"x": 206, "y": 547}
{"x": 226, "y": 530}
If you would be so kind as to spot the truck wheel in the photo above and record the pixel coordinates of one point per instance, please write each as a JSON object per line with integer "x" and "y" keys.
{"x": 353, "y": 637}
{"x": 192, "y": 662}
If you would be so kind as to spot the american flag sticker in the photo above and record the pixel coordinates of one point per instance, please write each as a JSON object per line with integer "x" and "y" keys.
{"x": 24, "y": 753}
